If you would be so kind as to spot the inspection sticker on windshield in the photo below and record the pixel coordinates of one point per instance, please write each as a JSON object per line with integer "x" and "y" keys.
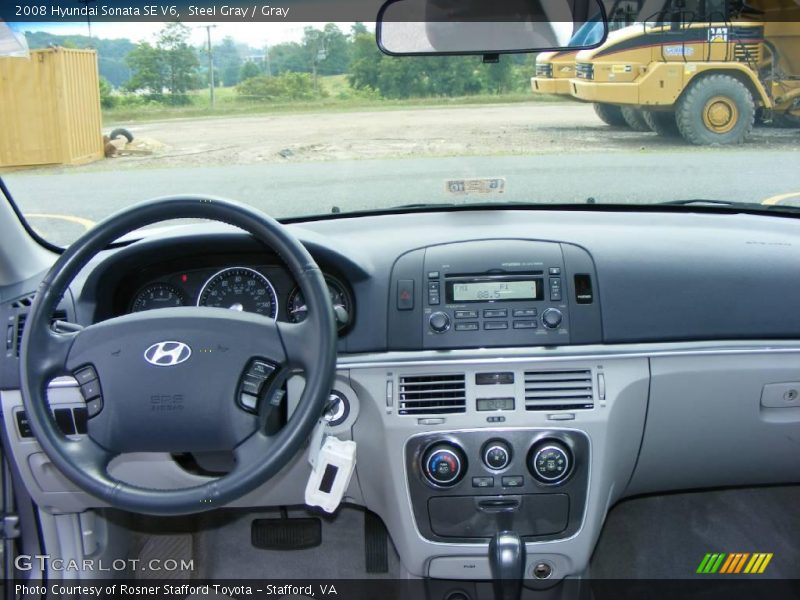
{"x": 481, "y": 185}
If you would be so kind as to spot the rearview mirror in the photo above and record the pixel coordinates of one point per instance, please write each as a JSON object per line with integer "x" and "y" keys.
{"x": 433, "y": 27}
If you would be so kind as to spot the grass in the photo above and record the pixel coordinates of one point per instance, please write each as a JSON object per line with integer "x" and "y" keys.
{"x": 340, "y": 98}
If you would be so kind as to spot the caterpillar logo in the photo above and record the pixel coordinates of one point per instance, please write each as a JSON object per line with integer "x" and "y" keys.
{"x": 734, "y": 563}
{"x": 717, "y": 34}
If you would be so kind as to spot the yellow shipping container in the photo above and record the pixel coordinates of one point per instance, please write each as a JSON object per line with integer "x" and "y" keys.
{"x": 50, "y": 108}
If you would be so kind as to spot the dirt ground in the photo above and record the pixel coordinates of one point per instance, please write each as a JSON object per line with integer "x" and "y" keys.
{"x": 522, "y": 128}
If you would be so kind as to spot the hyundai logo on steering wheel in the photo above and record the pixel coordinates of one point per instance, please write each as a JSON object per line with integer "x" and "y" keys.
{"x": 167, "y": 354}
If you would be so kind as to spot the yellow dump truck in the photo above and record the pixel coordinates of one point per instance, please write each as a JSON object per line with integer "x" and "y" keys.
{"x": 555, "y": 69}
{"x": 704, "y": 80}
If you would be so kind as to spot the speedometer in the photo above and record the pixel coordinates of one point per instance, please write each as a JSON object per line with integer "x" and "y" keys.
{"x": 240, "y": 288}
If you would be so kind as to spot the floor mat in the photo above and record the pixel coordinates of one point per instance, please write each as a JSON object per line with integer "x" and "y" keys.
{"x": 223, "y": 549}
{"x": 667, "y": 536}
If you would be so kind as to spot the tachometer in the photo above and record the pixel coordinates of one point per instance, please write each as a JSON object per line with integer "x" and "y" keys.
{"x": 158, "y": 295}
{"x": 342, "y": 308}
{"x": 240, "y": 288}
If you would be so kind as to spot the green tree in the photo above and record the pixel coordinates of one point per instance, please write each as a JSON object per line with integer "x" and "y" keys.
{"x": 147, "y": 64}
{"x": 249, "y": 69}
{"x": 228, "y": 61}
{"x": 179, "y": 60}
{"x": 107, "y": 100}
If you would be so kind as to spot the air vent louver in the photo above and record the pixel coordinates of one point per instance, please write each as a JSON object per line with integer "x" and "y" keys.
{"x": 565, "y": 389}
{"x": 59, "y": 315}
{"x": 432, "y": 394}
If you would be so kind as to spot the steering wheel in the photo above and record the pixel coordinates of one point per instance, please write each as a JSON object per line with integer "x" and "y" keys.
{"x": 171, "y": 380}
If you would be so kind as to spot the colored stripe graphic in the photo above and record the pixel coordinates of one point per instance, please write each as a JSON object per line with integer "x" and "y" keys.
{"x": 734, "y": 563}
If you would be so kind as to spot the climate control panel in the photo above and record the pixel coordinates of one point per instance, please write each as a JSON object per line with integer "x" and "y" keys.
{"x": 463, "y": 484}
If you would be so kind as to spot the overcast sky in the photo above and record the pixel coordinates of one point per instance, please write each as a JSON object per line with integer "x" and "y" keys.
{"x": 256, "y": 35}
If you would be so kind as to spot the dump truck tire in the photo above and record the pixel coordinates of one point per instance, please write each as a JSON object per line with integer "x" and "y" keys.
{"x": 610, "y": 114}
{"x": 634, "y": 117}
{"x": 121, "y": 132}
{"x": 663, "y": 123}
{"x": 716, "y": 110}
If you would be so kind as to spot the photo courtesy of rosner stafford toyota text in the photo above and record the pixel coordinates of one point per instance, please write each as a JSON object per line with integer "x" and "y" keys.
{"x": 400, "y": 299}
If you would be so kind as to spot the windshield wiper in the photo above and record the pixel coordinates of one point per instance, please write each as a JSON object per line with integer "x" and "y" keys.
{"x": 733, "y": 205}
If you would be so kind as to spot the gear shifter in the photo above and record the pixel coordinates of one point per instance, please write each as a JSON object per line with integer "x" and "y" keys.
{"x": 507, "y": 562}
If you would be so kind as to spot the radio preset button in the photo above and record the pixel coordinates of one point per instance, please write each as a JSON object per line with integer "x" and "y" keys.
{"x": 496, "y": 325}
{"x": 524, "y": 312}
{"x": 466, "y": 314}
{"x": 525, "y": 324}
{"x": 466, "y": 327}
{"x": 494, "y": 313}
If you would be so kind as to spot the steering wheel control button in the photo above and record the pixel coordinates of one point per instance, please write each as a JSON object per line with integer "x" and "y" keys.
{"x": 93, "y": 407}
{"x": 513, "y": 481}
{"x": 497, "y": 455}
{"x": 444, "y": 465}
{"x": 439, "y": 322}
{"x": 483, "y": 482}
{"x": 90, "y": 389}
{"x": 550, "y": 462}
{"x": 248, "y": 401}
{"x": 260, "y": 368}
{"x": 85, "y": 375}
{"x": 552, "y": 318}
{"x": 63, "y": 417}
{"x": 256, "y": 374}
{"x": 81, "y": 416}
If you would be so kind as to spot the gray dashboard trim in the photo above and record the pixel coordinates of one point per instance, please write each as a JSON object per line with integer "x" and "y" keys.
{"x": 521, "y": 355}
{"x": 539, "y": 354}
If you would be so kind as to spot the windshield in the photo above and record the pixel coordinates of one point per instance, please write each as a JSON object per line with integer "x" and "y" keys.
{"x": 301, "y": 119}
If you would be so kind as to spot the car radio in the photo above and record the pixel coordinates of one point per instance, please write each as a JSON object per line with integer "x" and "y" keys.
{"x": 491, "y": 293}
{"x": 481, "y": 292}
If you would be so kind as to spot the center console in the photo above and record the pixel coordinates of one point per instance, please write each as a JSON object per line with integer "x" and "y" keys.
{"x": 493, "y": 293}
{"x": 465, "y": 486}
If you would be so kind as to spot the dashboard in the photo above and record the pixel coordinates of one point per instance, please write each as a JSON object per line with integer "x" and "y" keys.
{"x": 548, "y": 363}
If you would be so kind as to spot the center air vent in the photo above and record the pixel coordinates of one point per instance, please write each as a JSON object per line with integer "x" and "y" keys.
{"x": 563, "y": 389}
{"x": 432, "y": 394}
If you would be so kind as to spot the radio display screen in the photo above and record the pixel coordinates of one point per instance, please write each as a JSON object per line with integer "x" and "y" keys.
{"x": 494, "y": 290}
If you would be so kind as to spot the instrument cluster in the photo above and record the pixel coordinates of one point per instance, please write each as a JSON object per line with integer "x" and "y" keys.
{"x": 267, "y": 290}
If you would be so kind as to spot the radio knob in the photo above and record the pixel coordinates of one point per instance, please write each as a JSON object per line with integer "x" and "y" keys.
{"x": 552, "y": 318}
{"x": 439, "y": 322}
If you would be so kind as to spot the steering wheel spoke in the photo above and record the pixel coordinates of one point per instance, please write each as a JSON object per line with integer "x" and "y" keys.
{"x": 54, "y": 349}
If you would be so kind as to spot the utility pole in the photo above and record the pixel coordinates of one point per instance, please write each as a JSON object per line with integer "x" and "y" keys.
{"x": 88, "y": 18}
{"x": 210, "y": 65}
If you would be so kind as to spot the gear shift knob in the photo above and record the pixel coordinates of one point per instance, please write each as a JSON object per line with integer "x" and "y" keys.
{"x": 507, "y": 563}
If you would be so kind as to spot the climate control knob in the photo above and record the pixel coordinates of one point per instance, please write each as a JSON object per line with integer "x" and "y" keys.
{"x": 496, "y": 455}
{"x": 439, "y": 322}
{"x": 550, "y": 461}
{"x": 552, "y": 318}
{"x": 444, "y": 464}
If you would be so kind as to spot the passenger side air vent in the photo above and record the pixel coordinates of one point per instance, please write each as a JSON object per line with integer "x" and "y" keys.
{"x": 563, "y": 389}
{"x": 432, "y": 394}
